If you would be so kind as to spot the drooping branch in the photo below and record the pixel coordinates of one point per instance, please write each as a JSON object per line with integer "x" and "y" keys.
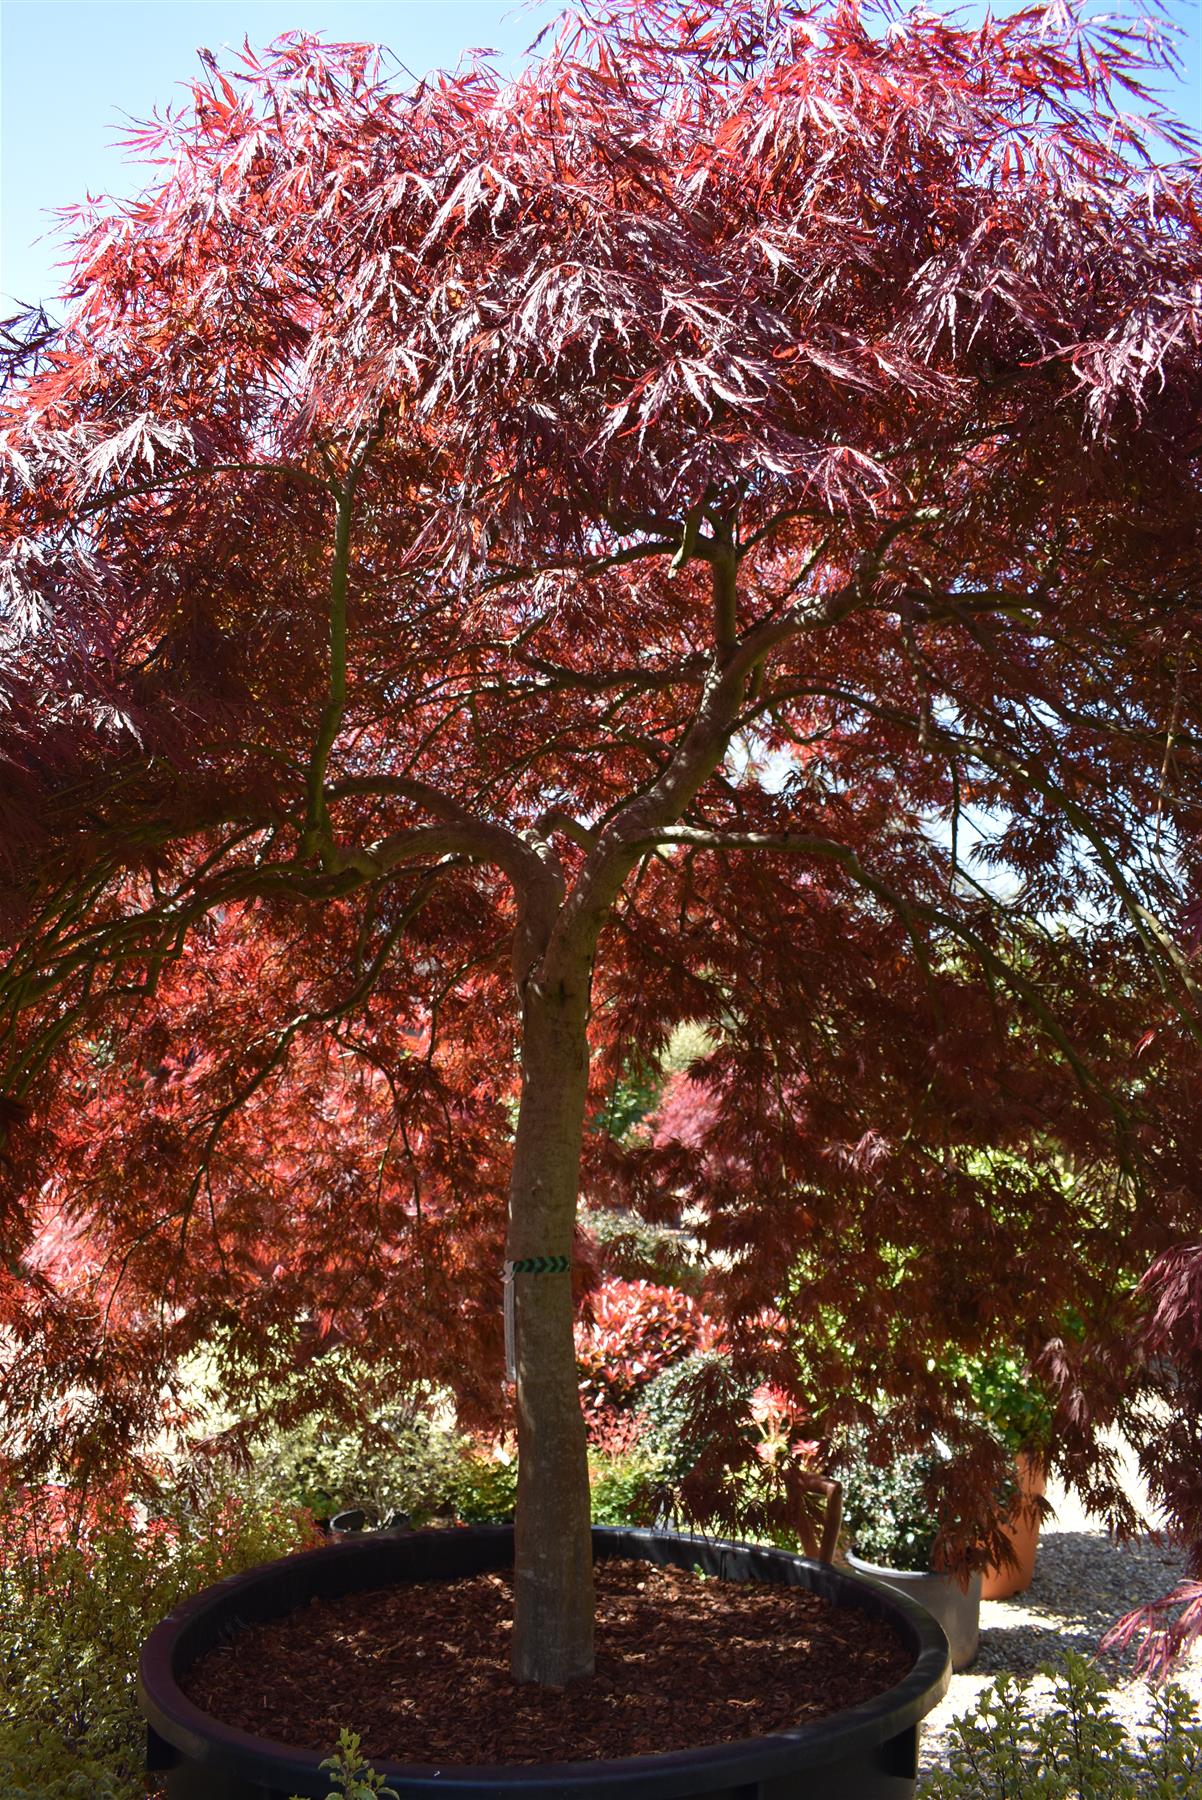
{"x": 114, "y": 498}
{"x": 273, "y": 1062}
{"x": 1033, "y": 774}
{"x": 910, "y": 909}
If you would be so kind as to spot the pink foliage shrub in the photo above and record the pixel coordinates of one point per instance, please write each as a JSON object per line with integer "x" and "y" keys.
{"x": 630, "y": 1331}
{"x": 687, "y": 1116}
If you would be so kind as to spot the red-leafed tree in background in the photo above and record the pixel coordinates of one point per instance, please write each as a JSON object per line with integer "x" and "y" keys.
{"x": 495, "y": 570}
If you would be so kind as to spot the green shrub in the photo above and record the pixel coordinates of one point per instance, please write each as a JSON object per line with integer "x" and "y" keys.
{"x": 638, "y": 1090}
{"x": 398, "y": 1465}
{"x": 1077, "y": 1749}
{"x": 675, "y": 1436}
{"x": 1015, "y": 1403}
{"x": 625, "y": 1490}
{"x": 80, "y": 1588}
{"x": 483, "y": 1488}
{"x": 631, "y": 1247}
{"x": 635, "y": 1094}
{"x": 885, "y": 1509}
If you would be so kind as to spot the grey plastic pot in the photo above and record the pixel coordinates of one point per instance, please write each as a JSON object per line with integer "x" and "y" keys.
{"x": 957, "y": 1609}
{"x": 868, "y": 1752}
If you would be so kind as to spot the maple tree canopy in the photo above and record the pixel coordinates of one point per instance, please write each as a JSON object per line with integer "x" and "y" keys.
{"x": 705, "y": 530}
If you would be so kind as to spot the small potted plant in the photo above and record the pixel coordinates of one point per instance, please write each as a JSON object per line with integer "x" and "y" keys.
{"x": 1015, "y": 1405}
{"x": 891, "y": 1532}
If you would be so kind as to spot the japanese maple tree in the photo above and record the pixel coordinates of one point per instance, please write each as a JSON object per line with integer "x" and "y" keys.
{"x": 494, "y": 569}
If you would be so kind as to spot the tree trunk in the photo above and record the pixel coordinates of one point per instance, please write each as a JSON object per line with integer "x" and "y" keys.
{"x": 553, "y": 1620}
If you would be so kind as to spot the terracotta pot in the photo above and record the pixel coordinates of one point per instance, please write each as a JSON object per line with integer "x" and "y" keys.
{"x": 1002, "y": 1582}
{"x": 868, "y": 1752}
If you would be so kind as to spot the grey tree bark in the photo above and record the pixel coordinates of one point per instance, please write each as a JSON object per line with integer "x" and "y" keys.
{"x": 557, "y": 936}
{"x": 553, "y": 1613}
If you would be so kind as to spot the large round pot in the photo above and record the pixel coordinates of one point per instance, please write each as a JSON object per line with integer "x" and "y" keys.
{"x": 957, "y": 1609}
{"x": 867, "y": 1752}
{"x": 1002, "y": 1582}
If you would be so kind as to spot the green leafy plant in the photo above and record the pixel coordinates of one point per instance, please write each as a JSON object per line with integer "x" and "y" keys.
{"x": 676, "y": 1434}
{"x": 405, "y": 1465}
{"x": 729, "y": 1453}
{"x": 630, "y": 1246}
{"x": 637, "y": 1091}
{"x": 886, "y": 1510}
{"x": 81, "y": 1585}
{"x": 351, "y": 1775}
{"x": 633, "y": 1095}
{"x": 484, "y": 1486}
{"x": 625, "y": 1489}
{"x": 1013, "y": 1401}
{"x": 1003, "y": 1749}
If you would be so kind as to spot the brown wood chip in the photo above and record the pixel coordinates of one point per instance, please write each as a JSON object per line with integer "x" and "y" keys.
{"x": 421, "y": 1670}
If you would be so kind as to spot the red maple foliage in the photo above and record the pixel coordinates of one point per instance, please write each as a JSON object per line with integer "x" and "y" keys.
{"x": 1171, "y": 1339}
{"x": 494, "y": 570}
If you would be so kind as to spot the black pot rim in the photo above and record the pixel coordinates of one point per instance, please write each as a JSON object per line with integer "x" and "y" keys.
{"x": 180, "y": 1723}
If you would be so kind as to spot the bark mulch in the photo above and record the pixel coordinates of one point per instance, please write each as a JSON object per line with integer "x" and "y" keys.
{"x": 421, "y": 1670}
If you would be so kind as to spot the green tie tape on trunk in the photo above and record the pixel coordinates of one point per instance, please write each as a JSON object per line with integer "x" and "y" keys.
{"x": 525, "y": 1265}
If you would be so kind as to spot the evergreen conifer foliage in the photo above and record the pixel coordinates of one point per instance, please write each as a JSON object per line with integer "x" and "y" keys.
{"x": 492, "y": 570}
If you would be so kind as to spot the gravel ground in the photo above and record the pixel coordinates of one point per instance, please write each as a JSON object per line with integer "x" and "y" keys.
{"x": 1083, "y": 1583}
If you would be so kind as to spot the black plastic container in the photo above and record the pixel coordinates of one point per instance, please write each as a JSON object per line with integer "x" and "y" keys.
{"x": 867, "y": 1752}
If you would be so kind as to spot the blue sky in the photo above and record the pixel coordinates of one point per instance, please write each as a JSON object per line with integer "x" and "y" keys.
{"x": 70, "y": 70}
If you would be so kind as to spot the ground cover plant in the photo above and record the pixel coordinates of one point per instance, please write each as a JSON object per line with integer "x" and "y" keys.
{"x": 351, "y": 1775}
{"x": 494, "y": 571}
